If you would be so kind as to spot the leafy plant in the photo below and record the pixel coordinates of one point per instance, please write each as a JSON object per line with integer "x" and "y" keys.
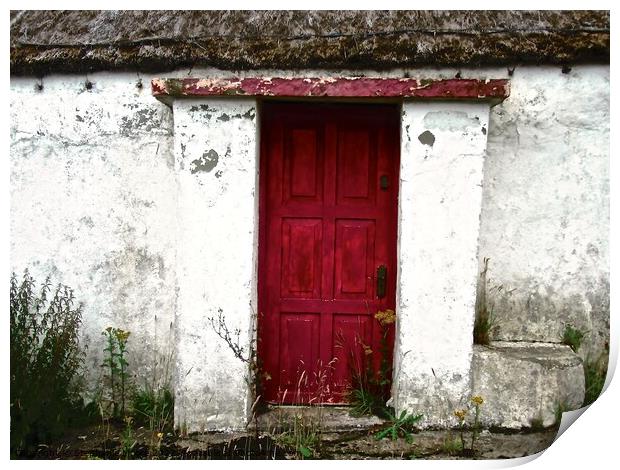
{"x": 128, "y": 440}
{"x": 369, "y": 387}
{"x": 537, "y": 423}
{"x": 304, "y": 436}
{"x": 452, "y": 445}
{"x": 461, "y": 415}
{"x": 364, "y": 402}
{"x": 595, "y": 372}
{"x": 401, "y": 426}
{"x": 484, "y": 321}
{"x": 116, "y": 365}
{"x": 477, "y": 402}
{"x": 572, "y": 337}
{"x": 154, "y": 409}
{"x": 482, "y": 327}
{"x": 45, "y": 362}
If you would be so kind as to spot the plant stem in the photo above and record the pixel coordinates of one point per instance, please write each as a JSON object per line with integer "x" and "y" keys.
{"x": 475, "y": 429}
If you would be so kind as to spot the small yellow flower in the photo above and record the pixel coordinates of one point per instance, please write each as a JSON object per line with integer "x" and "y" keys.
{"x": 160, "y": 435}
{"x": 121, "y": 335}
{"x": 385, "y": 317}
{"x": 460, "y": 414}
{"x": 477, "y": 400}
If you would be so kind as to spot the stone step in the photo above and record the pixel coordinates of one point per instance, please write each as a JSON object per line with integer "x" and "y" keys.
{"x": 329, "y": 418}
{"x": 526, "y": 384}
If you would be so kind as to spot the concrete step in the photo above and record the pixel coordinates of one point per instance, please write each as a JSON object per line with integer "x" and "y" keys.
{"x": 525, "y": 384}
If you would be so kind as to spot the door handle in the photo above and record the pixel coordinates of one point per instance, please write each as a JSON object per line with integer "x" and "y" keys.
{"x": 381, "y": 281}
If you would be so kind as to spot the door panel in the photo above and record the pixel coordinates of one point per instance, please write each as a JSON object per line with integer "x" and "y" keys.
{"x": 328, "y": 206}
{"x": 354, "y": 259}
{"x": 301, "y": 258}
{"x": 303, "y": 165}
{"x": 356, "y": 166}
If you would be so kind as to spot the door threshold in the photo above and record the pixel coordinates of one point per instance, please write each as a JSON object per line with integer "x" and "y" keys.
{"x": 330, "y": 418}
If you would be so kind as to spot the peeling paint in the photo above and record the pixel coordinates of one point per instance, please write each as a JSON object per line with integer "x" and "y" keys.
{"x": 495, "y": 90}
{"x": 206, "y": 163}
{"x": 216, "y": 252}
{"x": 427, "y": 138}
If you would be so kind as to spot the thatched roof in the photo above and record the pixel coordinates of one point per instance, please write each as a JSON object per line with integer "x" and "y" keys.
{"x": 82, "y": 41}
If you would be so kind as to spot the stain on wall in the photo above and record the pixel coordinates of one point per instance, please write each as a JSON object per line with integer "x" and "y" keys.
{"x": 545, "y": 213}
{"x": 206, "y": 163}
{"x": 92, "y": 204}
{"x": 427, "y": 138}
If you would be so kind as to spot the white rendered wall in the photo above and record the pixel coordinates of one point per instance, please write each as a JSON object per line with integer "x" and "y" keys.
{"x": 545, "y": 210}
{"x": 442, "y": 155}
{"x": 93, "y": 205}
{"x": 217, "y": 222}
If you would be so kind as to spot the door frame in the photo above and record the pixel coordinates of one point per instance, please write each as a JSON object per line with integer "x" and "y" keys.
{"x": 393, "y": 245}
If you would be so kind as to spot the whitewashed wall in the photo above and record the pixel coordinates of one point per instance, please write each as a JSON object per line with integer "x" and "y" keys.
{"x": 545, "y": 212}
{"x": 442, "y": 155}
{"x": 216, "y": 157}
{"x": 94, "y": 203}
{"x": 101, "y": 199}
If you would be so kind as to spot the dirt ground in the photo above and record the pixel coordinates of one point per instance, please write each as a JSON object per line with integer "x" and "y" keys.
{"x": 340, "y": 438}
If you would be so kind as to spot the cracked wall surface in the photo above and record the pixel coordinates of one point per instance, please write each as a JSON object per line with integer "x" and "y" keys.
{"x": 545, "y": 210}
{"x": 216, "y": 159}
{"x": 93, "y": 203}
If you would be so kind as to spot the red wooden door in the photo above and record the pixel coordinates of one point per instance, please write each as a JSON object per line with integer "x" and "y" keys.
{"x": 328, "y": 208}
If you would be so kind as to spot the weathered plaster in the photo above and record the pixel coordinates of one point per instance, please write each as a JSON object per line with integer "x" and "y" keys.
{"x": 93, "y": 200}
{"x": 525, "y": 384}
{"x": 442, "y": 152}
{"x": 216, "y": 160}
{"x": 356, "y": 87}
{"x": 545, "y": 214}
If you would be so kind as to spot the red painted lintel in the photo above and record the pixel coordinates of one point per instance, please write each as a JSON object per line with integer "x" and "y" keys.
{"x": 344, "y": 87}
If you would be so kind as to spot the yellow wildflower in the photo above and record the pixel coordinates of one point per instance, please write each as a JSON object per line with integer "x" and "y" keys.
{"x": 121, "y": 335}
{"x": 385, "y": 317}
{"x": 460, "y": 414}
{"x": 477, "y": 400}
{"x": 160, "y": 435}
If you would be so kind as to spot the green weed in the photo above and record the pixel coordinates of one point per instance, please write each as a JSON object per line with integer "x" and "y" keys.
{"x": 572, "y": 337}
{"x": 369, "y": 387}
{"x": 401, "y": 426}
{"x": 595, "y": 372}
{"x": 116, "y": 364}
{"x": 484, "y": 320}
{"x": 128, "y": 440}
{"x": 45, "y": 362}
